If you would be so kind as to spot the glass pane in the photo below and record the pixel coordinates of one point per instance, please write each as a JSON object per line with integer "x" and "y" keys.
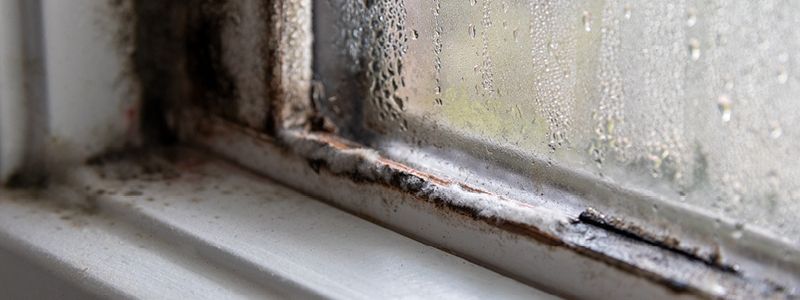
{"x": 694, "y": 100}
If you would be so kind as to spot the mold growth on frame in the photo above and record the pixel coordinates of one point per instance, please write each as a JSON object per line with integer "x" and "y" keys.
{"x": 247, "y": 61}
{"x": 247, "y": 64}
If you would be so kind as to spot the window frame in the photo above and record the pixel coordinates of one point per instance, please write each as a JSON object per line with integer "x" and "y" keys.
{"x": 381, "y": 180}
{"x": 352, "y": 172}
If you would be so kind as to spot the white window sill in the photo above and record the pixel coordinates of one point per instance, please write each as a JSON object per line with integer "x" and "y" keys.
{"x": 214, "y": 231}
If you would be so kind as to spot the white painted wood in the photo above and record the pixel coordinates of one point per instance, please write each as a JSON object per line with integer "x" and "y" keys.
{"x": 12, "y": 90}
{"x": 91, "y": 95}
{"x": 217, "y": 232}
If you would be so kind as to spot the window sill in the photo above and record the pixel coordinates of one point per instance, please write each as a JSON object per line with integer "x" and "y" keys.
{"x": 202, "y": 228}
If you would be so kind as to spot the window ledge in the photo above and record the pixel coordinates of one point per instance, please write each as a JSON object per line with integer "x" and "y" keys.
{"x": 201, "y": 228}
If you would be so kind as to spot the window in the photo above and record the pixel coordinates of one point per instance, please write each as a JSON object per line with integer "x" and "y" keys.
{"x": 647, "y": 120}
{"x": 651, "y": 141}
{"x": 684, "y": 100}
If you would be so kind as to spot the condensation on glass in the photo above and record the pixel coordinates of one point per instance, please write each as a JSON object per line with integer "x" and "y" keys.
{"x": 695, "y": 100}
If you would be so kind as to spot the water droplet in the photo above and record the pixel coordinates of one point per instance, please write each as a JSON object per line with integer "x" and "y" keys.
{"x": 691, "y": 17}
{"x": 472, "y": 31}
{"x": 694, "y": 48}
{"x": 399, "y": 102}
{"x": 473, "y": 2}
{"x": 718, "y": 290}
{"x": 587, "y": 21}
{"x": 627, "y": 11}
{"x": 775, "y": 130}
{"x": 725, "y": 106}
{"x": 414, "y": 34}
{"x": 783, "y": 76}
{"x": 515, "y": 34}
{"x": 773, "y": 179}
{"x": 728, "y": 85}
{"x": 737, "y": 232}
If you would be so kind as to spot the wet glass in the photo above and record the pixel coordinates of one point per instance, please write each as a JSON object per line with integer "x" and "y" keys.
{"x": 698, "y": 101}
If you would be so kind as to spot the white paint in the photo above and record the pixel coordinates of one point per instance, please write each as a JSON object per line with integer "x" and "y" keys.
{"x": 219, "y": 232}
{"x": 64, "y": 95}
{"x": 87, "y": 92}
{"x": 12, "y": 90}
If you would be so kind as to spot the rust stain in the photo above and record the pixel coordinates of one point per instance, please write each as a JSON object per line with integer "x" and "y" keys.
{"x": 332, "y": 140}
{"x": 339, "y": 143}
{"x": 398, "y": 167}
{"x": 472, "y": 189}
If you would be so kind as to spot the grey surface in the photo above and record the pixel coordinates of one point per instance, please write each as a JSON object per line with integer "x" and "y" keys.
{"x": 216, "y": 232}
{"x": 21, "y": 278}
